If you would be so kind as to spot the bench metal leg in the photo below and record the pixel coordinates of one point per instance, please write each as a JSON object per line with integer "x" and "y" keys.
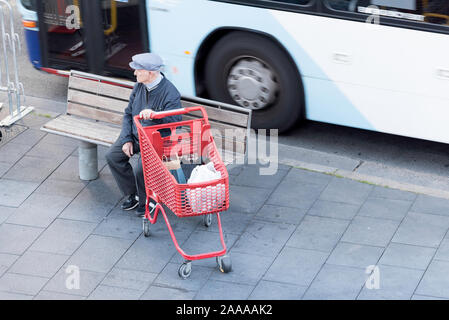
{"x": 88, "y": 161}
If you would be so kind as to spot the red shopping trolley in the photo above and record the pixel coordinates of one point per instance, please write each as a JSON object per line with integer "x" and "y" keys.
{"x": 193, "y": 141}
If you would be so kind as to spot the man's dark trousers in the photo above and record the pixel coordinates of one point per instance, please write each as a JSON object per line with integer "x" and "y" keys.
{"x": 123, "y": 173}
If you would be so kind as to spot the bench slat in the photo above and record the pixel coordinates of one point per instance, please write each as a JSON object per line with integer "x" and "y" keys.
{"x": 94, "y": 131}
{"x": 92, "y": 113}
{"x": 100, "y": 88}
{"x": 226, "y": 116}
{"x": 93, "y": 100}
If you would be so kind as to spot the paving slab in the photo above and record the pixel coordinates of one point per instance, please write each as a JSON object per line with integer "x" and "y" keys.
{"x": 130, "y": 279}
{"x": 291, "y": 194}
{"x": 15, "y": 239}
{"x": 48, "y": 295}
{"x": 69, "y": 170}
{"x": 39, "y": 210}
{"x": 43, "y": 149}
{"x": 355, "y": 255}
{"x": 435, "y": 282}
{"x": 432, "y": 205}
{"x": 58, "y": 140}
{"x": 7, "y": 260}
{"x": 318, "y": 233}
{"x": 395, "y": 283}
{"x": 370, "y": 231}
{"x": 39, "y": 264}
{"x": 84, "y": 209}
{"x": 250, "y": 176}
{"x": 336, "y": 282}
{"x": 14, "y": 296}
{"x": 32, "y": 169}
{"x": 296, "y": 266}
{"x": 4, "y": 167}
{"x": 247, "y": 199}
{"x": 246, "y": 269}
{"x": 169, "y": 277}
{"x": 13, "y": 192}
{"x": 99, "y": 253}
{"x": 218, "y": 290}
{"x": 63, "y": 236}
{"x": 263, "y": 238}
{"x": 231, "y": 222}
{"x": 95, "y": 202}
{"x": 6, "y": 212}
{"x": 332, "y": 209}
{"x": 281, "y": 214}
{"x": 422, "y": 230}
{"x": 103, "y": 292}
{"x": 11, "y": 153}
{"x": 270, "y": 290}
{"x": 153, "y": 253}
{"x": 19, "y": 283}
{"x": 443, "y": 250}
{"x": 156, "y": 292}
{"x": 124, "y": 226}
{"x": 89, "y": 280}
{"x": 61, "y": 188}
{"x": 420, "y": 297}
{"x": 346, "y": 191}
{"x": 407, "y": 256}
{"x": 29, "y": 137}
{"x": 384, "y": 208}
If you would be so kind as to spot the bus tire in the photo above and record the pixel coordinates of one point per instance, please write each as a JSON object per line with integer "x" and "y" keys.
{"x": 288, "y": 105}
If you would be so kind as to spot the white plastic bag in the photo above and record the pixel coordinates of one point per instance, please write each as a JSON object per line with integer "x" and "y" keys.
{"x": 209, "y": 198}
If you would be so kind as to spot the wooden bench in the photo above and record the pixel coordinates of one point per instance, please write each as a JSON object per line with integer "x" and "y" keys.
{"x": 95, "y": 108}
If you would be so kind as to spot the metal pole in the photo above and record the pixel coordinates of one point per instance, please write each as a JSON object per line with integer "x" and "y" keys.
{"x": 13, "y": 38}
{"x": 6, "y": 38}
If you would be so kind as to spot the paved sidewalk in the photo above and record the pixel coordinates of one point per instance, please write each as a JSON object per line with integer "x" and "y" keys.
{"x": 295, "y": 235}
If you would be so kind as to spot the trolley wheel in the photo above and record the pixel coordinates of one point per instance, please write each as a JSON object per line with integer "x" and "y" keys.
{"x": 224, "y": 263}
{"x": 207, "y": 220}
{"x": 185, "y": 269}
{"x": 146, "y": 227}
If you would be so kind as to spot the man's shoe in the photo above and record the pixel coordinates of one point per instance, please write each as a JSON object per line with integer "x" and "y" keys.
{"x": 130, "y": 203}
{"x": 140, "y": 212}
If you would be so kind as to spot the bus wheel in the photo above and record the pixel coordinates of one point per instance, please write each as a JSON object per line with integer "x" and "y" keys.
{"x": 253, "y": 72}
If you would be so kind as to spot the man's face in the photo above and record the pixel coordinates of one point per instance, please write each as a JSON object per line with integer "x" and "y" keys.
{"x": 145, "y": 76}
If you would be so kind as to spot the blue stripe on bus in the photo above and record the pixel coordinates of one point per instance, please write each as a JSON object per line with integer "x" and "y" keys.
{"x": 34, "y": 49}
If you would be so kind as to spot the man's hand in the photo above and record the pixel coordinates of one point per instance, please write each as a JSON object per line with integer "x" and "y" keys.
{"x": 146, "y": 114}
{"x": 128, "y": 149}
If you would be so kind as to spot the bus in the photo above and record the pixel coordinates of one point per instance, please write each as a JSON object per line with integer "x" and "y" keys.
{"x": 378, "y": 65}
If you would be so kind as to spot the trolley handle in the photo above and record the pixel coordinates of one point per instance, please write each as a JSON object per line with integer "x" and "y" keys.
{"x": 175, "y": 112}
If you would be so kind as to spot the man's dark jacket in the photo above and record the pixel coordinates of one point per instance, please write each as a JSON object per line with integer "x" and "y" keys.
{"x": 164, "y": 97}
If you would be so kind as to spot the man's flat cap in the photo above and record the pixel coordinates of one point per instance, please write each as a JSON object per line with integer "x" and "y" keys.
{"x": 146, "y": 61}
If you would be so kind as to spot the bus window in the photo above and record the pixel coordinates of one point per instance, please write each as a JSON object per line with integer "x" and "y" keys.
{"x": 123, "y": 32}
{"x": 29, "y": 4}
{"x": 63, "y": 22}
{"x": 300, "y": 2}
{"x": 430, "y": 11}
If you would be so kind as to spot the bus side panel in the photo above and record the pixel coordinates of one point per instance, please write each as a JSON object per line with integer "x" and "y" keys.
{"x": 31, "y": 36}
{"x": 173, "y": 43}
{"x": 373, "y": 90}
{"x": 34, "y": 51}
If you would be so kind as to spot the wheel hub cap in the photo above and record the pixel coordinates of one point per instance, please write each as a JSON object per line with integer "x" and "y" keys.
{"x": 251, "y": 84}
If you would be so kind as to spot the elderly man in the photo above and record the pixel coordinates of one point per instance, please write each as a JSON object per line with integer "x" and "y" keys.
{"x": 152, "y": 92}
